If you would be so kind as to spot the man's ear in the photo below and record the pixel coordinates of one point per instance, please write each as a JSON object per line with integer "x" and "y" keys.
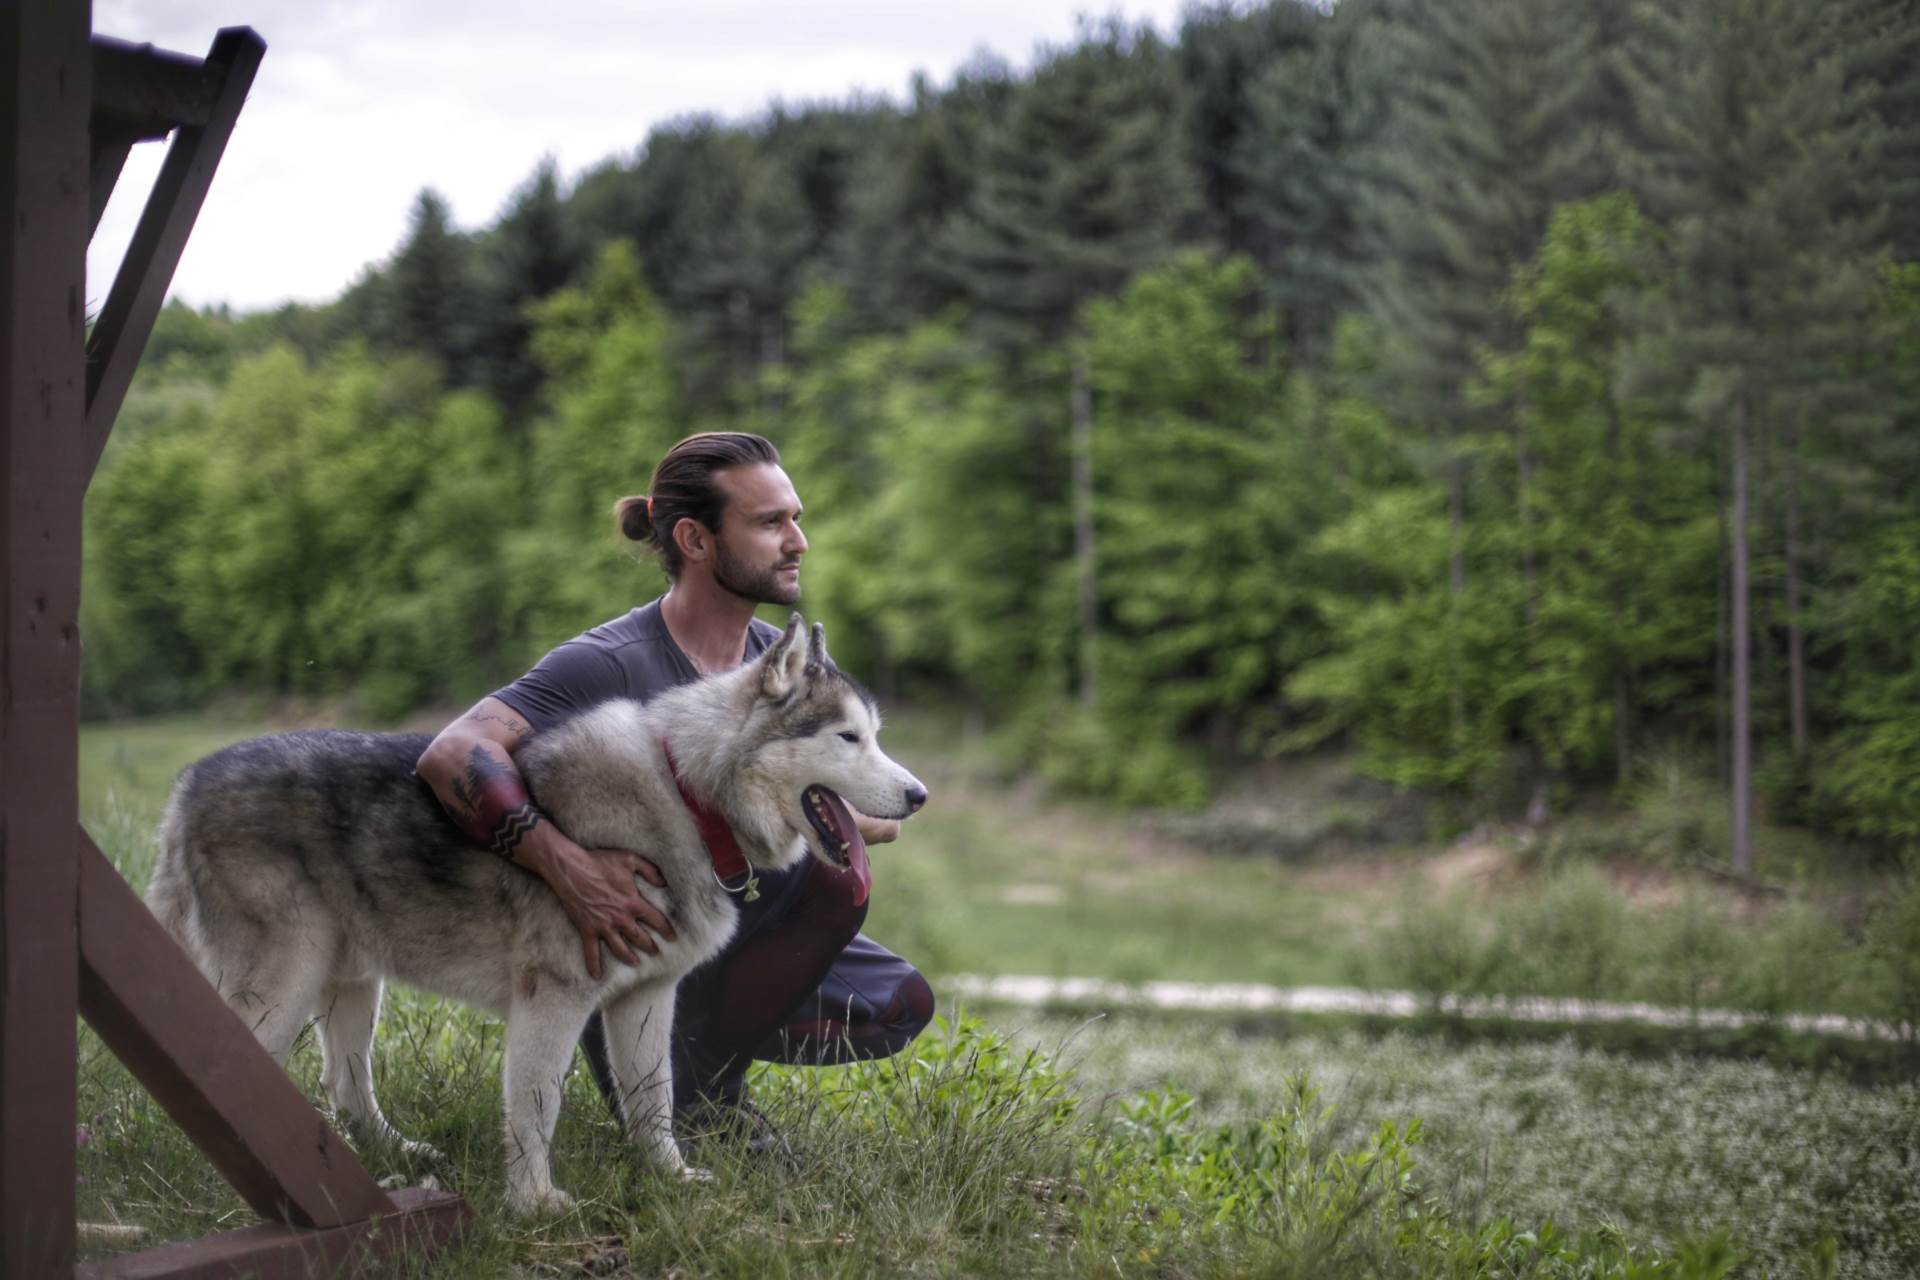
{"x": 694, "y": 539}
{"x": 784, "y": 663}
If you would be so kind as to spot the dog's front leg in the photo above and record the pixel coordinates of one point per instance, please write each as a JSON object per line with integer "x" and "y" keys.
{"x": 639, "y": 1030}
{"x": 540, "y": 1038}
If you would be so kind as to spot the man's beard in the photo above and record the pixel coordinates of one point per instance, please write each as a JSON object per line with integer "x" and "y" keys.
{"x": 761, "y": 586}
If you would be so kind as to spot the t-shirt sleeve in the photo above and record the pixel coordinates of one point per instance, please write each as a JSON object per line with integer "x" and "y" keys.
{"x": 762, "y": 634}
{"x": 573, "y": 678}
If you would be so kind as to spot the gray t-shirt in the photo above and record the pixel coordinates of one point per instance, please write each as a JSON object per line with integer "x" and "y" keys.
{"x": 633, "y": 656}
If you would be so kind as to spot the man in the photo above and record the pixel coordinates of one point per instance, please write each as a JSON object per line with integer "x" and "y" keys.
{"x": 798, "y": 983}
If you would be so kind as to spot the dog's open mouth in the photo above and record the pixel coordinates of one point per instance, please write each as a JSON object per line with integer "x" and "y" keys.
{"x": 834, "y": 822}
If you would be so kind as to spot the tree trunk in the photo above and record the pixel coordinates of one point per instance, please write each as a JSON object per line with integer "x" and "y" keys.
{"x": 1796, "y": 634}
{"x": 1722, "y": 765}
{"x": 1457, "y": 579}
{"x": 1742, "y": 653}
{"x": 773, "y": 356}
{"x": 1529, "y": 564}
{"x": 1622, "y": 727}
{"x": 1622, "y": 651}
{"x": 1081, "y": 397}
{"x": 1457, "y": 530}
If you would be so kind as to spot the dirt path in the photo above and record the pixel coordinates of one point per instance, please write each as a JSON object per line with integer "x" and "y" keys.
{"x": 1236, "y": 997}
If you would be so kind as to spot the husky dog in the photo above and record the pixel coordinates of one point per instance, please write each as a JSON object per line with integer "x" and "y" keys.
{"x": 302, "y": 871}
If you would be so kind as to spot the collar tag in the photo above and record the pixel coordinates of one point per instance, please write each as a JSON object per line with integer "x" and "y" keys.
{"x": 746, "y": 892}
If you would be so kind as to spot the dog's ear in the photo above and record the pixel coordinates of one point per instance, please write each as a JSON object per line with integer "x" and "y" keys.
{"x": 817, "y": 659}
{"x": 782, "y": 665}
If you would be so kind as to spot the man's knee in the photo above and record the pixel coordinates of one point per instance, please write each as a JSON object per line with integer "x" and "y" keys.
{"x": 911, "y": 1009}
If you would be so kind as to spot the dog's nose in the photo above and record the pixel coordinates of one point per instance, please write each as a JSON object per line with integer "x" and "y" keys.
{"x": 916, "y": 796}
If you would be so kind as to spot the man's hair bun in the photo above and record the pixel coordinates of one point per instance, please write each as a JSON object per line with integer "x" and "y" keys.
{"x": 635, "y": 515}
{"x": 684, "y": 487}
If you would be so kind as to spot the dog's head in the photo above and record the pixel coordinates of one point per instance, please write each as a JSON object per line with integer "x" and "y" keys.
{"x": 819, "y": 751}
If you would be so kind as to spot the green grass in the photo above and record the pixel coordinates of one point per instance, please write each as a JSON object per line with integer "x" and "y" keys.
{"x": 1170, "y": 1146}
{"x": 1664, "y": 1148}
{"x": 126, "y": 770}
{"x": 967, "y": 1156}
{"x": 988, "y": 882}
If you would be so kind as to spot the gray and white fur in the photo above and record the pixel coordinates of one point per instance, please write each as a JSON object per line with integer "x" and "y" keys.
{"x": 304, "y": 870}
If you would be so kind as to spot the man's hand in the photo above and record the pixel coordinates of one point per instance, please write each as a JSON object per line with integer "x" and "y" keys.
{"x": 470, "y": 768}
{"x": 596, "y": 889}
{"x": 876, "y": 830}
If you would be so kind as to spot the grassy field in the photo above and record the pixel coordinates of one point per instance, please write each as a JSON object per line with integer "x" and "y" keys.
{"x": 1662, "y": 1147}
{"x": 1154, "y": 1145}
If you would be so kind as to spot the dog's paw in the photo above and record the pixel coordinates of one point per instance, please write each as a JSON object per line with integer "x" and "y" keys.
{"x": 400, "y": 1182}
{"x": 692, "y": 1173}
{"x": 547, "y": 1202}
{"x": 425, "y": 1152}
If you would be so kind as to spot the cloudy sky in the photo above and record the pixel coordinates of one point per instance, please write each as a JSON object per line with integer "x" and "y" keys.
{"x": 360, "y": 104}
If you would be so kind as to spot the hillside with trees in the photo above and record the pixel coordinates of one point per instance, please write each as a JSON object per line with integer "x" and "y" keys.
{"x": 1500, "y": 390}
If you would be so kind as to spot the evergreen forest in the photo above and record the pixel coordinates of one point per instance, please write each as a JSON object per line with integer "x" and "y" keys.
{"x": 1502, "y": 391}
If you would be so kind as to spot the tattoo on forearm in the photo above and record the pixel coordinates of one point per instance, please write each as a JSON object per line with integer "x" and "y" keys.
{"x": 494, "y": 808}
{"x": 514, "y": 724}
{"x": 482, "y": 768}
{"x": 512, "y": 829}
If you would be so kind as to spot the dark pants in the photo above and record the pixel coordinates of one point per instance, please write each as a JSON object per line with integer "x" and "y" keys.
{"x": 798, "y": 983}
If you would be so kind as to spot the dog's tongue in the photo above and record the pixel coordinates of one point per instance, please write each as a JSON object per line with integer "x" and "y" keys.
{"x": 840, "y": 818}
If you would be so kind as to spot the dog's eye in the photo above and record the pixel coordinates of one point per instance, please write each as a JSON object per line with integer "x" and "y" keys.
{"x": 849, "y": 737}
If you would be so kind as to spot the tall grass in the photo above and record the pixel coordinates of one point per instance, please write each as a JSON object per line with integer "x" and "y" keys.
{"x": 971, "y": 1156}
{"x": 1573, "y": 932}
{"x": 967, "y": 1155}
{"x": 1792, "y": 1165}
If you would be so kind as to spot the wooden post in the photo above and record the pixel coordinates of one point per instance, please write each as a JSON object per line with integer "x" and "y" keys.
{"x": 72, "y": 934}
{"x": 46, "y": 85}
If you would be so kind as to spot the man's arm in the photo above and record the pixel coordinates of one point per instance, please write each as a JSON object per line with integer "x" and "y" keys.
{"x": 470, "y": 768}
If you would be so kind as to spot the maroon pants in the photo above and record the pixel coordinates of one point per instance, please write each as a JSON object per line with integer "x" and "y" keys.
{"x": 798, "y": 983}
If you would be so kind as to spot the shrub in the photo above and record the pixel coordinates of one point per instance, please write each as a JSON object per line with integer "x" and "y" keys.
{"x": 1797, "y": 961}
{"x": 1092, "y": 753}
{"x": 1694, "y": 950}
{"x": 1893, "y": 945}
{"x": 1440, "y": 947}
{"x": 1571, "y": 939}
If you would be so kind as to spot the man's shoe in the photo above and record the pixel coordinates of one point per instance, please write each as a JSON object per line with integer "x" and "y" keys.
{"x": 736, "y": 1121}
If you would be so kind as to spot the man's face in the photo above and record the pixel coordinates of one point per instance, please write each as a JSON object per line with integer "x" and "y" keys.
{"x": 757, "y": 551}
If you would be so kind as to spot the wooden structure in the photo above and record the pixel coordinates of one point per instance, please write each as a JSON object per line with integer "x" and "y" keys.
{"x": 73, "y": 935}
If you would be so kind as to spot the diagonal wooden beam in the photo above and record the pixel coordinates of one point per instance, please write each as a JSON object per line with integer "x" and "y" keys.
{"x": 201, "y": 1063}
{"x": 423, "y": 1222}
{"x": 110, "y": 148}
{"x": 140, "y": 287}
{"x": 44, "y": 95}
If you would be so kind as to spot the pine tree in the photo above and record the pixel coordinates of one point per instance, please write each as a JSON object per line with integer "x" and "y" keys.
{"x": 1618, "y": 523}
{"x": 1223, "y": 53}
{"x": 427, "y": 302}
{"x": 1314, "y": 114}
{"x": 527, "y": 255}
{"x": 1210, "y": 492}
{"x": 1756, "y": 144}
{"x": 1084, "y": 185}
{"x": 914, "y": 179}
{"x": 1880, "y": 40}
{"x": 613, "y": 411}
{"x": 1471, "y": 160}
